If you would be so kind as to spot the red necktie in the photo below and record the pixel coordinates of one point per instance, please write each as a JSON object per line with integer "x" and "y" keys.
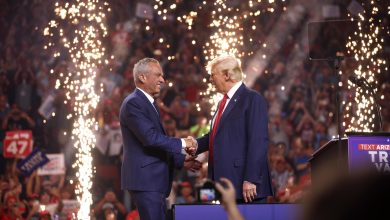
{"x": 215, "y": 127}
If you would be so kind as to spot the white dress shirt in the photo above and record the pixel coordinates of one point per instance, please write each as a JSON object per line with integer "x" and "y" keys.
{"x": 151, "y": 100}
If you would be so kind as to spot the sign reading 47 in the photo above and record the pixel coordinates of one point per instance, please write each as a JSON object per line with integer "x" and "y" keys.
{"x": 18, "y": 144}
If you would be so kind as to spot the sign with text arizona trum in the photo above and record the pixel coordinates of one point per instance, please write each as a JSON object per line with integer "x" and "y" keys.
{"x": 369, "y": 152}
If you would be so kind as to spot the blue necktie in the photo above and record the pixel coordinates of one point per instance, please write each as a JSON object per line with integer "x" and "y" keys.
{"x": 156, "y": 107}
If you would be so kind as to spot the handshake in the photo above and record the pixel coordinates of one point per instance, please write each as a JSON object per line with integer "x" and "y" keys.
{"x": 191, "y": 147}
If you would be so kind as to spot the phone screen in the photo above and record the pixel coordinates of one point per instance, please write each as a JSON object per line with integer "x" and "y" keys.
{"x": 207, "y": 195}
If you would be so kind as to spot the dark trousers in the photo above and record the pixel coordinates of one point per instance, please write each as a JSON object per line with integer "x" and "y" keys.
{"x": 150, "y": 205}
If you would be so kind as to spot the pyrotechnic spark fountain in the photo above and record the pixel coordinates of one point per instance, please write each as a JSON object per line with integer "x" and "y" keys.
{"x": 79, "y": 26}
{"x": 227, "y": 28}
{"x": 366, "y": 45}
{"x": 226, "y": 39}
{"x": 227, "y": 24}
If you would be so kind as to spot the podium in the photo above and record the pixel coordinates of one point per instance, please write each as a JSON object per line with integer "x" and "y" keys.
{"x": 359, "y": 151}
{"x": 328, "y": 158}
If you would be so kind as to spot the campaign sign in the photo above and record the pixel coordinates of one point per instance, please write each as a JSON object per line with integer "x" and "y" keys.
{"x": 47, "y": 107}
{"x": 34, "y": 160}
{"x": 369, "y": 152}
{"x": 18, "y": 144}
{"x": 55, "y": 166}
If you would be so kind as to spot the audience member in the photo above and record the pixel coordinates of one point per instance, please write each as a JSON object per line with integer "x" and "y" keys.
{"x": 186, "y": 194}
{"x": 226, "y": 188}
{"x": 109, "y": 207}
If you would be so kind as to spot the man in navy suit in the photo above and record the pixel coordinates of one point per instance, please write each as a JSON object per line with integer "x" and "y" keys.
{"x": 149, "y": 155}
{"x": 238, "y": 137}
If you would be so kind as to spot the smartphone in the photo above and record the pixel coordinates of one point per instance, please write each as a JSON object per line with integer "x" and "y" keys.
{"x": 208, "y": 193}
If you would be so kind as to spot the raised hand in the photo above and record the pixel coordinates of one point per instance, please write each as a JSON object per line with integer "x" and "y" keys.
{"x": 226, "y": 188}
{"x": 110, "y": 197}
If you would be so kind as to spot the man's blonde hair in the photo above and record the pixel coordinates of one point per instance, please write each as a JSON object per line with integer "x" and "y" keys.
{"x": 227, "y": 63}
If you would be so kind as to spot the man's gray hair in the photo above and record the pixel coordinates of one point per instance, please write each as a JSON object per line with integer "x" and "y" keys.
{"x": 227, "y": 63}
{"x": 142, "y": 67}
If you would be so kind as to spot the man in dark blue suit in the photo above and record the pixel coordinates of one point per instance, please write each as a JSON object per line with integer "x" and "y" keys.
{"x": 238, "y": 138}
{"x": 149, "y": 156}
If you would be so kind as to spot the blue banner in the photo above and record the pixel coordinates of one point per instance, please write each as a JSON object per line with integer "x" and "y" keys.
{"x": 32, "y": 162}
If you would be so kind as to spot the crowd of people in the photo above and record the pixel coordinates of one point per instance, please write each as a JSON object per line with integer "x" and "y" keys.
{"x": 301, "y": 111}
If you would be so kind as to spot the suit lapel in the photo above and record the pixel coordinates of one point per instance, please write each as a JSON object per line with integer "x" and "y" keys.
{"x": 232, "y": 103}
{"x": 151, "y": 107}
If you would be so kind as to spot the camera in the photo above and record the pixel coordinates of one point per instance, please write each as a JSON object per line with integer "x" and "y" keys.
{"x": 208, "y": 193}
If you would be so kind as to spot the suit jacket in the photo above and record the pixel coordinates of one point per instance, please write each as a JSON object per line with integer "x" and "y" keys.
{"x": 241, "y": 143}
{"x": 149, "y": 156}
